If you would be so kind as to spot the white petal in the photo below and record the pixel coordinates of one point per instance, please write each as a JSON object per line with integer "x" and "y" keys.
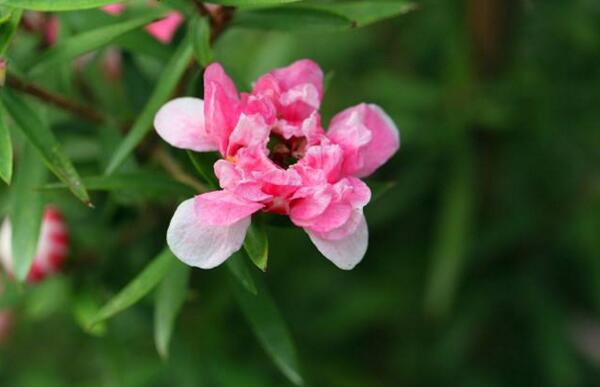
{"x": 180, "y": 122}
{"x": 5, "y": 245}
{"x": 346, "y": 252}
{"x": 201, "y": 245}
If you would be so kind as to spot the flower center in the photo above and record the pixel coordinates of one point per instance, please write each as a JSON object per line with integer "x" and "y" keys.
{"x": 286, "y": 152}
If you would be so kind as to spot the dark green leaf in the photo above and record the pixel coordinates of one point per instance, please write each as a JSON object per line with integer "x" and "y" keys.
{"x": 169, "y": 300}
{"x": 164, "y": 87}
{"x": 69, "y": 49}
{"x": 56, "y": 5}
{"x": 379, "y": 189}
{"x": 200, "y": 31}
{"x": 138, "y": 287}
{"x": 362, "y": 13}
{"x": 253, "y": 3}
{"x": 238, "y": 267}
{"x": 256, "y": 243}
{"x": 41, "y": 137}
{"x": 27, "y": 206}
{"x": 292, "y": 19}
{"x": 8, "y": 29}
{"x": 203, "y": 163}
{"x": 270, "y": 328}
{"x": 6, "y": 152}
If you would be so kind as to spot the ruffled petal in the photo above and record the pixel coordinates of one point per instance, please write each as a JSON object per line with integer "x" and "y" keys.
{"x": 346, "y": 251}
{"x": 222, "y": 208}
{"x": 180, "y": 122}
{"x": 368, "y": 137}
{"x": 200, "y": 245}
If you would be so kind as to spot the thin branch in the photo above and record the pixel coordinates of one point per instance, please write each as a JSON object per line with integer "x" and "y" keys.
{"x": 55, "y": 99}
{"x": 171, "y": 166}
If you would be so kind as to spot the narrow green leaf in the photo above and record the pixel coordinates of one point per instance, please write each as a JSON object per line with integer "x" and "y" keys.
{"x": 253, "y": 3}
{"x": 363, "y": 13}
{"x": 167, "y": 82}
{"x": 203, "y": 163}
{"x": 69, "y": 49}
{"x": 138, "y": 287}
{"x": 85, "y": 307}
{"x": 6, "y": 151}
{"x": 451, "y": 243}
{"x": 41, "y": 137}
{"x": 142, "y": 181}
{"x": 270, "y": 328}
{"x": 8, "y": 29}
{"x": 56, "y": 5}
{"x": 256, "y": 243}
{"x": 200, "y": 31}
{"x": 25, "y": 212}
{"x": 292, "y": 19}
{"x": 169, "y": 300}
{"x": 238, "y": 267}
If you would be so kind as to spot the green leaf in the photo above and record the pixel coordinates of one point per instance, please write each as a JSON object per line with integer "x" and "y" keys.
{"x": 167, "y": 82}
{"x": 25, "y": 212}
{"x": 200, "y": 31}
{"x": 56, "y": 5}
{"x": 6, "y": 151}
{"x": 253, "y": 3}
{"x": 292, "y": 19}
{"x": 270, "y": 328}
{"x": 69, "y": 49}
{"x": 85, "y": 307}
{"x": 8, "y": 29}
{"x": 362, "y": 13}
{"x": 203, "y": 163}
{"x": 256, "y": 243}
{"x": 238, "y": 267}
{"x": 41, "y": 137}
{"x": 142, "y": 181}
{"x": 138, "y": 287}
{"x": 169, "y": 300}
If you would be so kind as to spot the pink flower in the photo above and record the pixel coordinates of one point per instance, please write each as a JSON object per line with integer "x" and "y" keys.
{"x": 163, "y": 30}
{"x": 51, "y": 250}
{"x": 276, "y": 158}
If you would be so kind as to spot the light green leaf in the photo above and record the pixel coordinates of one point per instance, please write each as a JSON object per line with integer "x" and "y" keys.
{"x": 142, "y": 181}
{"x": 85, "y": 307}
{"x": 69, "y": 49}
{"x": 6, "y": 151}
{"x": 200, "y": 31}
{"x": 256, "y": 243}
{"x": 238, "y": 267}
{"x": 25, "y": 212}
{"x": 203, "y": 163}
{"x": 169, "y": 300}
{"x": 167, "y": 82}
{"x": 138, "y": 287}
{"x": 41, "y": 137}
{"x": 56, "y": 5}
{"x": 362, "y": 13}
{"x": 292, "y": 19}
{"x": 270, "y": 328}
{"x": 8, "y": 29}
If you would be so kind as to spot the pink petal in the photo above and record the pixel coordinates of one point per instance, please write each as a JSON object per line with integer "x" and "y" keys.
{"x": 200, "y": 245}
{"x": 250, "y": 131}
{"x": 222, "y": 208}
{"x": 348, "y": 251}
{"x": 300, "y": 73}
{"x": 164, "y": 29}
{"x": 114, "y": 9}
{"x": 180, "y": 122}
{"x": 222, "y": 105}
{"x": 368, "y": 137}
{"x": 52, "y": 30}
{"x": 326, "y": 158}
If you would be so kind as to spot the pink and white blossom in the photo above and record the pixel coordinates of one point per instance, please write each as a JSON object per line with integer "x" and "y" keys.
{"x": 276, "y": 157}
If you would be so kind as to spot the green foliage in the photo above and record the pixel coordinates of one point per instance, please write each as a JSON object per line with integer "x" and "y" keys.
{"x": 256, "y": 243}
{"x": 200, "y": 31}
{"x": 6, "y": 150}
{"x": 55, "y": 5}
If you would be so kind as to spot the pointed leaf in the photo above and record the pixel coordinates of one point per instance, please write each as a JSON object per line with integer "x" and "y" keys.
{"x": 256, "y": 243}
{"x": 6, "y": 151}
{"x": 238, "y": 267}
{"x": 138, "y": 287}
{"x": 169, "y": 300}
{"x": 56, "y": 5}
{"x": 292, "y": 19}
{"x": 200, "y": 31}
{"x": 69, "y": 49}
{"x": 363, "y": 13}
{"x": 270, "y": 328}
{"x": 25, "y": 213}
{"x": 167, "y": 82}
{"x": 8, "y": 29}
{"x": 42, "y": 138}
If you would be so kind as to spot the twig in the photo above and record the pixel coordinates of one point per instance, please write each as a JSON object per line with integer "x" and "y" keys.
{"x": 55, "y": 99}
{"x": 171, "y": 166}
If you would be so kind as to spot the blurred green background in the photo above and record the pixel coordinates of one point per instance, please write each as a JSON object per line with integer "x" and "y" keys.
{"x": 484, "y": 260}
